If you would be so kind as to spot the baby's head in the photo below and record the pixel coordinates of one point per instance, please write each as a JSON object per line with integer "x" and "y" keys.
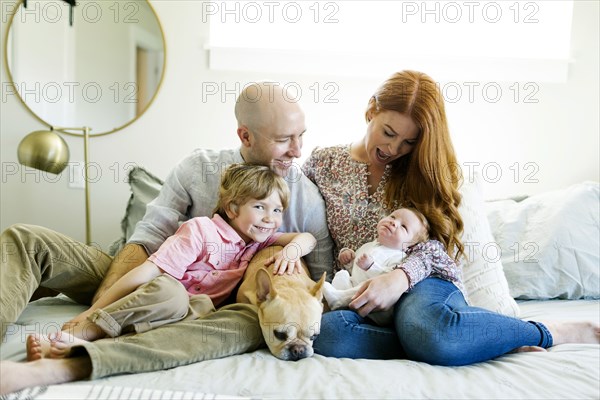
{"x": 252, "y": 199}
{"x": 403, "y": 228}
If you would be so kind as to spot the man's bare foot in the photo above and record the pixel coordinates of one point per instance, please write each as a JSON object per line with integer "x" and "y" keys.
{"x": 38, "y": 346}
{"x": 20, "y": 375}
{"x": 573, "y": 332}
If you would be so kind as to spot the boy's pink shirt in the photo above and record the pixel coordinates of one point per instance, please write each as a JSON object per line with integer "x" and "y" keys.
{"x": 207, "y": 256}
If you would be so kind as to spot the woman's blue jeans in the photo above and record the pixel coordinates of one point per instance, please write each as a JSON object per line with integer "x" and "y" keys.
{"x": 433, "y": 324}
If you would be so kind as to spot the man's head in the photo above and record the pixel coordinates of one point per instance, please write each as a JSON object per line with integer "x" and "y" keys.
{"x": 270, "y": 126}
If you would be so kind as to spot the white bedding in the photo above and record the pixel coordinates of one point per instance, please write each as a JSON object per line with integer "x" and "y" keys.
{"x": 566, "y": 371}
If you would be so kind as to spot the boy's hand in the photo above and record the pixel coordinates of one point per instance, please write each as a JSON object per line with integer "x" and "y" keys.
{"x": 346, "y": 256}
{"x": 365, "y": 261}
{"x": 81, "y": 318}
{"x": 286, "y": 260}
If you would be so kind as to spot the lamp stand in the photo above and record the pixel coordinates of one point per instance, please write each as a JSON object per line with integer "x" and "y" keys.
{"x": 86, "y": 166}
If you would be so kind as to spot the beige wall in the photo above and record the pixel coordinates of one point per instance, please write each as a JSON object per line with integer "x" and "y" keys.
{"x": 555, "y": 139}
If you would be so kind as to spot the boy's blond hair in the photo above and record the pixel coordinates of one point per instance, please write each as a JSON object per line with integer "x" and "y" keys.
{"x": 242, "y": 182}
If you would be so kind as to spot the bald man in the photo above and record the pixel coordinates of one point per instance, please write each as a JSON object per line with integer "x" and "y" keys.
{"x": 270, "y": 128}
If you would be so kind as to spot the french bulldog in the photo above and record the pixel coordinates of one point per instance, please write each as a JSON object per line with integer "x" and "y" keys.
{"x": 289, "y": 306}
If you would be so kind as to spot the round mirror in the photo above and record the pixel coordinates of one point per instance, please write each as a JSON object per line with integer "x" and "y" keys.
{"x": 97, "y": 64}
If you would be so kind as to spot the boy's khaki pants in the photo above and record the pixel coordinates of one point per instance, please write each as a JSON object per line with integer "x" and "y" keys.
{"x": 161, "y": 301}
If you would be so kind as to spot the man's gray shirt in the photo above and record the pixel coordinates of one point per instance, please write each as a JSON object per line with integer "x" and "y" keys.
{"x": 192, "y": 188}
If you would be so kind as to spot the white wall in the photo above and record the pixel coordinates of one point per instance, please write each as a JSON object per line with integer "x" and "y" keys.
{"x": 555, "y": 139}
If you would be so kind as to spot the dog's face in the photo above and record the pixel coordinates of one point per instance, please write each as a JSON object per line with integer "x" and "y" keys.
{"x": 290, "y": 317}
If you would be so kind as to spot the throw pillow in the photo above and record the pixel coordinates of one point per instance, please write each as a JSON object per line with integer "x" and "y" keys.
{"x": 483, "y": 273}
{"x": 550, "y": 243}
{"x": 144, "y": 188}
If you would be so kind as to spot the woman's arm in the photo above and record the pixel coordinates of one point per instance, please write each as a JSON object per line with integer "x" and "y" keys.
{"x": 422, "y": 259}
{"x": 382, "y": 292}
{"x": 296, "y": 245}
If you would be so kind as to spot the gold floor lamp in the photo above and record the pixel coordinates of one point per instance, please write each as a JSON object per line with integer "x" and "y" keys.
{"x": 46, "y": 150}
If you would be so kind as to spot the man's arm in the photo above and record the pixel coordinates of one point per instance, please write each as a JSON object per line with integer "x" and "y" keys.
{"x": 130, "y": 256}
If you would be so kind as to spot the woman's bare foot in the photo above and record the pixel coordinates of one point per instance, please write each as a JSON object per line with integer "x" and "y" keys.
{"x": 529, "y": 349}
{"x": 18, "y": 375}
{"x": 573, "y": 332}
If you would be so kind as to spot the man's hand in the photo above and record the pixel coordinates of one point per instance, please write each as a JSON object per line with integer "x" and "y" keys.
{"x": 127, "y": 259}
{"x": 380, "y": 293}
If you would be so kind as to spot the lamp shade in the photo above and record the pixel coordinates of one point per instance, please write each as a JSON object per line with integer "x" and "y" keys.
{"x": 44, "y": 150}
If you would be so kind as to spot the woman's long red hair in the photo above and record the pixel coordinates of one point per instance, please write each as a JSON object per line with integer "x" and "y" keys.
{"x": 427, "y": 178}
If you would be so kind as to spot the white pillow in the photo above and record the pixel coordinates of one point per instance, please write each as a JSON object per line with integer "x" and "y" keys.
{"x": 483, "y": 274}
{"x": 550, "y": 243}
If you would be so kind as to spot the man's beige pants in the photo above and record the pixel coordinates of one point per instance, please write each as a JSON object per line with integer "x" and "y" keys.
{"x": 34, "y": 256}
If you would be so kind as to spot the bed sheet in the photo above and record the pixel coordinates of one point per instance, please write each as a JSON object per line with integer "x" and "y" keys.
{"x": 566, "y": 371}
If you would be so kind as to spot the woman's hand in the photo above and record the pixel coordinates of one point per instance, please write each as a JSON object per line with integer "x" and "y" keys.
{"x": 380, "y": 293}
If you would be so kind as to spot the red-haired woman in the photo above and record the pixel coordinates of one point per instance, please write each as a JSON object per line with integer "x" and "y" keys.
{"x": 406, "y": 159}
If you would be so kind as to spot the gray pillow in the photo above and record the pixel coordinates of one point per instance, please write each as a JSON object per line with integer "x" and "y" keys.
{"x": 144, "y": 188}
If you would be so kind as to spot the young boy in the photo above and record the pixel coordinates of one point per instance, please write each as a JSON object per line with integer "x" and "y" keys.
{"x": 396, "y": 233}
{"x": 196, "y": 268}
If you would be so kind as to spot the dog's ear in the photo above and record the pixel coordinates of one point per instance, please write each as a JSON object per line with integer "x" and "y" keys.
{"x": 317, "y": 290}
{"x": 264, "y": 286}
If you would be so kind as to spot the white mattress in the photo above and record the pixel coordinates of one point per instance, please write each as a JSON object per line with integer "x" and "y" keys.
{"x": 567, "y": 371}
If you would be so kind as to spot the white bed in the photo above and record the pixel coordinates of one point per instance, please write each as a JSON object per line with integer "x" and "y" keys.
{"x": 557, "y": 235}
{"x": 570, "y": 371}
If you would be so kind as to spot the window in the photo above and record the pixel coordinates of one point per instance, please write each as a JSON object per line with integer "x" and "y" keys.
{"x": 510, "y": 39}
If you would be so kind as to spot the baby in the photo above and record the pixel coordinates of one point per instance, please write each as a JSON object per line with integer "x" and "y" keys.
{"x": 396, "y": 232}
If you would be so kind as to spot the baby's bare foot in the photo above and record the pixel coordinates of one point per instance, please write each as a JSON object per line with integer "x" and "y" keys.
{"x": 573, "y": 332}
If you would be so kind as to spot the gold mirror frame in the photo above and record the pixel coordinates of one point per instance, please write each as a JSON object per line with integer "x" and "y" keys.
{"x": 15, "y": 10}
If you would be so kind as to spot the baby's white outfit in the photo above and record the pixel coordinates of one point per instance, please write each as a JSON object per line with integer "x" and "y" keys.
{"x": 339, "y": 292}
